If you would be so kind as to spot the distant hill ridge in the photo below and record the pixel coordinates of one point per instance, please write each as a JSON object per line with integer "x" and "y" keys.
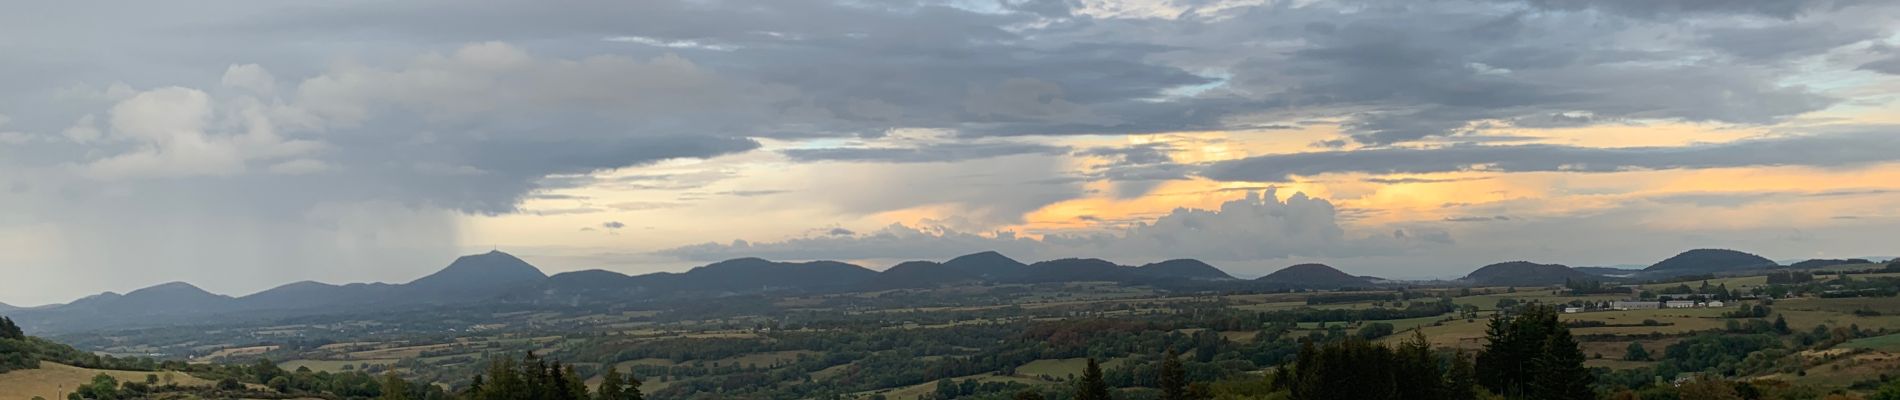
{"x": 1526, "y": 273}
{"x": 1183, "y": 268}
{"x": 1711, "y": 260}
{"x": 480, "y": 271}
{"x": 988, "y": 265}
{"x": 1824, "y": 263}
{"x": 920, "y": 274}
{"x": 1315, "y": 276}
{"x": 499, "y": 276}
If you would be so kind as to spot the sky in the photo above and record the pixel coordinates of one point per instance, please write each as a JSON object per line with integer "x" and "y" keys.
{"x": 240, "y": 145}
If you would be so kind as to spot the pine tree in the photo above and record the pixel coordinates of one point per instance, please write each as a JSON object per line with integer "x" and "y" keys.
{"x": 611, "y": 387}
{"x": 534, "y": 378}
{"x": 1173, "y": 379}
{"x": 575, "y": 387}
{"x": 1506, "y": 364}
{"x": 1290, "y": 378}
{"x": 1781, "y": 325}
{"x": 474, "y": 389}
{"x": 1091, "y": 386}
{"x": 1499, "y": 360}
{"x": 505, "y": 381}
{"x": 1461, "y": 381}
{"x": 633, "y": 388}
{"x": 1351, "y": 369}
{"x": 10, "y": 330}
{"x": 556, "y": 384}
{"x": 1559, "y": 373}
{"x": 1418, "y": 375}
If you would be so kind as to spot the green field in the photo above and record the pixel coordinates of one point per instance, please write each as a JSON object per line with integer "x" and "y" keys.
{"x": 1889, "y": 343}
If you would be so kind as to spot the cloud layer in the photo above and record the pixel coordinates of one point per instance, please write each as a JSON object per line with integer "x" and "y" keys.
{"x": 1878, "y": 145}
{"x": 386, "y": 136}
{"x": 1258, "y": 226}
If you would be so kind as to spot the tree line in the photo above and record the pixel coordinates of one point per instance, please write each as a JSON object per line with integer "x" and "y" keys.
{"x": 533, "y": 378}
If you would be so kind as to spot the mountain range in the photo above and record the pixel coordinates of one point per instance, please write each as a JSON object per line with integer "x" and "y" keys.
{"x": 500, "y": 277}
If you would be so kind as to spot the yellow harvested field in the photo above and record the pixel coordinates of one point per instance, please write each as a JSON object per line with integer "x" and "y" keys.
{"x": 405, "y": 352}
{"x": 345, "y": 345}
{"x": 241, "y": 351}
{"x": 1849, "y": 370}
{"x": 332, "y": 365}
{"x": 48, "y": 380}
{"x": 1239, "y": 336}
{"x": 922, "y": 389}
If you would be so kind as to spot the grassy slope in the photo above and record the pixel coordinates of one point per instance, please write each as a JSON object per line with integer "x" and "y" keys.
{"x": 52, "y": 379}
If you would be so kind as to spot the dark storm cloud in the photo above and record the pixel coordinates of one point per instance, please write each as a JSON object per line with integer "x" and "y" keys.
{"x": 1783, "y": 42}
{"x": 1141, "y": 154}
{"x": 927, "y": 153}
{"x": 1889, "y": 61}
{"x": 528, "y": 161}
{"x": 1829, "y": 150}
{"x": 401, "y": 115}
{"x": 1400, "y": 74}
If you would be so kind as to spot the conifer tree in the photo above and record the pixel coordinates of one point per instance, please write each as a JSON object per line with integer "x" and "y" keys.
{"x": 1351, "y": 369}
{"x": 1091, "y": 386}
{"x": 534, "y": 377}
{"x": 1418, "y": 375}
{"x": 1499, "y": 357}
{"x": 611, "y": 387}
{"x": 573, "y": 387}
{"x": 1461, "y": 380}
{"x": 474, "y": 389}
{"x": 1559, "y": 373}
{"x": 1515, "y": 342}
{"x": 633, "y": 388}
{"x": 10, "y": 330}
{"x": 1173, "y": 379}
{"x": 505, "y": 381}
{"x": 554, "y": 384}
